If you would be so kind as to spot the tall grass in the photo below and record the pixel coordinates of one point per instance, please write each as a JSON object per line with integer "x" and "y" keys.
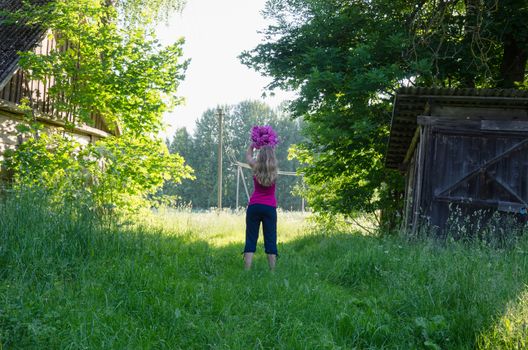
{"x": 174, "y": 280}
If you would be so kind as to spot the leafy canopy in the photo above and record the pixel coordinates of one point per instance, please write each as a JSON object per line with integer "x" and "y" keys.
{"x": 347, "y": 58}
{"x": 140, "y": 12}
{"x": 119, "y": 73}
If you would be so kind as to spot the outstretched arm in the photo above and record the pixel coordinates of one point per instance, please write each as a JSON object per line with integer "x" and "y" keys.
{"x": 249, "y": 156}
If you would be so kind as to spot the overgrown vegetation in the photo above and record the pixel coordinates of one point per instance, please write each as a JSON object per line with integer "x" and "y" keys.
{"x": 117, "y": 172}
{"x": 118, "y": 72}
{"x": 347, "y": 59}
{"x": 71, "y": 280}
{"x": 74, "y": 274}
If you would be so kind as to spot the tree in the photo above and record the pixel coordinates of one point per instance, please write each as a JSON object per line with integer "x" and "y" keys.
{"x": 347, "y": 58}
{"x": 140, "y": 12}
{"x": 183, "y": 144}
{"x": 203, "y": 157}
{"x": 122, "y": 74}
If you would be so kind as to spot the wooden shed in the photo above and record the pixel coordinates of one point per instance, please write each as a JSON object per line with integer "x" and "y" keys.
{"x": 14, "y": 85}
{"x": 460, "y": 148}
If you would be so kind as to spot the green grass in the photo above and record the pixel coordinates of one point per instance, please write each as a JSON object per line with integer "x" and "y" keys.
{"x": 69, "y": 281}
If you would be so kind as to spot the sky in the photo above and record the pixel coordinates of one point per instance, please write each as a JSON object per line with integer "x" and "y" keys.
{"x": 216, "y": 32}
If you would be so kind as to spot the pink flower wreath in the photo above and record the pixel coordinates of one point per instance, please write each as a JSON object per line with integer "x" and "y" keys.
{"x": 263, "y": 135}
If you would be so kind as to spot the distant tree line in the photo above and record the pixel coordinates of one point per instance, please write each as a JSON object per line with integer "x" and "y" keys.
{"x": 200, "y": 151}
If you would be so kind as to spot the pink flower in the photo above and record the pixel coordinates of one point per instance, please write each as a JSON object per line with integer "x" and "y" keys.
{"x": 263, "y": 135}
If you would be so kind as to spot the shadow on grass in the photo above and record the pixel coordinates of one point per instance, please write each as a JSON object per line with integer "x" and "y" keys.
{"x": 66, "y": 286}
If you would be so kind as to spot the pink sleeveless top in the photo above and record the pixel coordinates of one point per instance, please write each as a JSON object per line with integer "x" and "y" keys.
{"x": 263, "y": 195}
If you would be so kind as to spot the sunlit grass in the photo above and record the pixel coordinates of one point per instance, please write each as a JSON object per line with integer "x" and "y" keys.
{"x": 174, "y": 280}
{"x": 224, "y": 227}
{"x": 510, "y": 330}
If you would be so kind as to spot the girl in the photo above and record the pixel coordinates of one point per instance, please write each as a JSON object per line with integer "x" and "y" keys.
{"x": 262, "y": 206}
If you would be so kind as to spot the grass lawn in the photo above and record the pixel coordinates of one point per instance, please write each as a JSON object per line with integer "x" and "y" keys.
{"x": 176, "y": 281}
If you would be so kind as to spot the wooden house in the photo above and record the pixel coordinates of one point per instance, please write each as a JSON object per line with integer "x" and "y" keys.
{"x": 14, "y": 85}
{"x": 460, "y": 148}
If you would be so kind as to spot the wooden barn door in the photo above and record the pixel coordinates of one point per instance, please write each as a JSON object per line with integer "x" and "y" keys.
{"x": 481, "y": 169}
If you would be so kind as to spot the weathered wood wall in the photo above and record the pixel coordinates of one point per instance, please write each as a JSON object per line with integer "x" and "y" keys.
{"x": 460, "y": 148}
{"x": 472, "y": 162}
{"x": 19, "y": 86}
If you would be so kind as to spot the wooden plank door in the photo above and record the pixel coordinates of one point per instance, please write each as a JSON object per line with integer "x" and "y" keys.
{"x": 481, "y": 170}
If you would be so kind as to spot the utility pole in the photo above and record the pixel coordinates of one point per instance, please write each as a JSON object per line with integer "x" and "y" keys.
{"x": 220, "y": 114}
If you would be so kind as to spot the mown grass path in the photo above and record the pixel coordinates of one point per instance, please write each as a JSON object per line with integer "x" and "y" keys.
{"x": 177, "y": 282}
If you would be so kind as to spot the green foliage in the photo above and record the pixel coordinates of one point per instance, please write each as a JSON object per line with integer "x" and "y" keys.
{"x": 135, "y": 167}
{"x": 47, "y": 161}
{"x": 201, "y": 149}
{"x": 347, "y": 58}
{"x": 121, "y": 74}
{"x": 510, "y": 331}
{"x": 137, "y": 12}
{"x": 340, "y": 69}
{"x": 114, "y": 172}
{"x": 69, "y": 279}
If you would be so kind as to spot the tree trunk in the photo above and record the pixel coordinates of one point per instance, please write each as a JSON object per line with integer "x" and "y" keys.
{"x": 513, "y": 66}
{"x": 471, "y": 31}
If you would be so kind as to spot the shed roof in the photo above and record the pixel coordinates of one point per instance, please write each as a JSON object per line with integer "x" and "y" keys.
{"x": 410, "y": 102}
{"x": 15, "y": 37}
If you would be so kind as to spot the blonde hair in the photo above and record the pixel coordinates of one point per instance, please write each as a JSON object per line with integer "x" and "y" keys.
{"x": 265, "y": 169}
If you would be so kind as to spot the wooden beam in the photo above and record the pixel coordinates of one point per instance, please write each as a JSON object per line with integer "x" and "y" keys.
{"x": 508, "y": 189}
{"x": 247, "y": 166}
{"x": 466, "y": 98}
{"x": 81, "y": 129}
{"x": 448, "y": 121}
{"x": 504, "y": 125}
{"x": 417, "y": 205}
{"x": 484, "y": 112}
{"x": 411, "y": 148}
{"x": 245, "y": 185}
{"x": 17, "y": 113}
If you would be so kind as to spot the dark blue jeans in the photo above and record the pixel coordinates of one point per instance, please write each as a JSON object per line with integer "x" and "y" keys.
{"x": 255, "y": 214}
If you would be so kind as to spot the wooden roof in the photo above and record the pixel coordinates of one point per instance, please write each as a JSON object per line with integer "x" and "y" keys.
{"x": 410, "y": 102}
{"x": 15, "y": 37}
